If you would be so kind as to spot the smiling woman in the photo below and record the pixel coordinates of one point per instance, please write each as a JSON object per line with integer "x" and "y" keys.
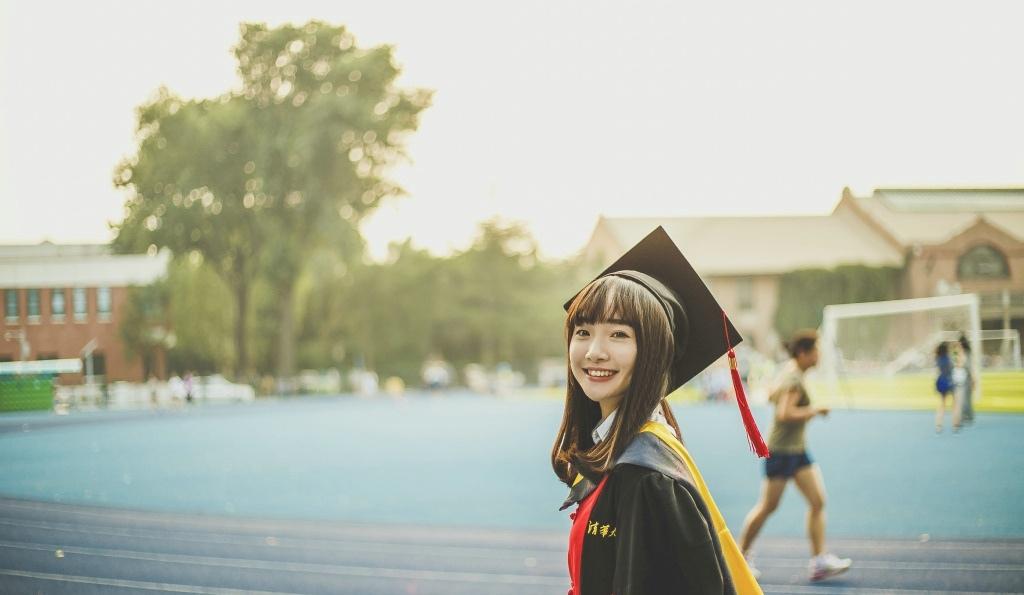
{"x": 644, "y": 521}
{"x": 601, "y": 356}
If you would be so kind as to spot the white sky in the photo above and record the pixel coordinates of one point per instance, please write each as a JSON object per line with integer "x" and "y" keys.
{"x": 550, "y": 113}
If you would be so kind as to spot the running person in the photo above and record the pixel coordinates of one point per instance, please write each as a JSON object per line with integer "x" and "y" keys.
{"x": 789, "y": 459}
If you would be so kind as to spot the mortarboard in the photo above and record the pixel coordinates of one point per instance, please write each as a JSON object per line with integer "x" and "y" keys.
{"x": 702, "y": 331}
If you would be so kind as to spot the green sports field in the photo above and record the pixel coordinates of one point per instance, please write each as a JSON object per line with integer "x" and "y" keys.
{"x": 1001, "y": 392}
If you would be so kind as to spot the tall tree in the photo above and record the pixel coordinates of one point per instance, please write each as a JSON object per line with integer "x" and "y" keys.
{"x": 260, "y": 178}
{"x": 494, "y": 302}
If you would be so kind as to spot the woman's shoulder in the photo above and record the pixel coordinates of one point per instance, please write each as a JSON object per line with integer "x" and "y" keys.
{"x": 648, "y": 456}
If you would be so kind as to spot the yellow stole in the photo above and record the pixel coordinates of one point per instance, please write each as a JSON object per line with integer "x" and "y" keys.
{"x": 742, "y": 578}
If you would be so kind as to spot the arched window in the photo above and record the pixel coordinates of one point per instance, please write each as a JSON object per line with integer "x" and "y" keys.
{"x": 983, "y": 262}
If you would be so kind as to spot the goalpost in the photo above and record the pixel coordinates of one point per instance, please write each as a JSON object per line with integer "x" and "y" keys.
{"x": 886, "y": 350}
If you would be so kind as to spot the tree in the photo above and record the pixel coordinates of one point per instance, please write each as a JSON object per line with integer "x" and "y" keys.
{"x": 260, "y": 178}
{"x": 183, "y": 318}
{"x": 201, "y": 312}
{"x": 145, "y": 325}
{"x": 494, "y": 302}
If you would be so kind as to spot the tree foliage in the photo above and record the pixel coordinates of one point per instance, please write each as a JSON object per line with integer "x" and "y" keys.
{"x": 261, "y": 178}
{"x": 803, "y": 294}
{"x": 494, "y": 302}
{"x": 185, "y": 316}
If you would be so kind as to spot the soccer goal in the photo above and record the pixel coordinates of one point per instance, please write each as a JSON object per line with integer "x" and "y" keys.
{"x": 883, "y": 353}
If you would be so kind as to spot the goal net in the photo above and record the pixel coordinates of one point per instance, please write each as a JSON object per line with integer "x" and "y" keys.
{"x": 882, "y": 354}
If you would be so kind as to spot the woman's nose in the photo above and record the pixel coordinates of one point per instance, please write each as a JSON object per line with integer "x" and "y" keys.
{"x": 596, "y": 352}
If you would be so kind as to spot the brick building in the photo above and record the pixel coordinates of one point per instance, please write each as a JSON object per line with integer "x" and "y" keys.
{"x": 945, "y": 241}
{"x": 58, "y": 299}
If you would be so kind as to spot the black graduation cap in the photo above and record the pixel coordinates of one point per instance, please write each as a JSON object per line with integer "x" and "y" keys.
{"x": 694, "y": 313}
{"x": 703, "y": 333}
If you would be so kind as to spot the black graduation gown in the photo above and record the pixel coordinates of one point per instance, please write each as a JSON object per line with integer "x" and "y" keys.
{"x": 650, "y": 531}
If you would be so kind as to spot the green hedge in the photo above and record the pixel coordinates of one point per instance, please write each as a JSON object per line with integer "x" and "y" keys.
{"x": 803, "y": 294}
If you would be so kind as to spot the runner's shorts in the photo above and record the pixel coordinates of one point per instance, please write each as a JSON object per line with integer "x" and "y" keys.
{"x": 786, "y": 465}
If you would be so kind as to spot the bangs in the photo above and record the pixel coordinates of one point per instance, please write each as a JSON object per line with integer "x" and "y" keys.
{"x": 608, "y": 299}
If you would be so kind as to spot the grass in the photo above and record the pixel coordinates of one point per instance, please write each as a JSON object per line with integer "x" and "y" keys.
{"x": 1001, "y": 392}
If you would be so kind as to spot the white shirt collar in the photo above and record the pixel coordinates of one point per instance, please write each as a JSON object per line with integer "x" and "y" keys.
{"x": 603, "y": 428}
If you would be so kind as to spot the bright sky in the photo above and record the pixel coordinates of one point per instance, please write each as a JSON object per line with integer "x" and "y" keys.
{"x": 550, "y": 113}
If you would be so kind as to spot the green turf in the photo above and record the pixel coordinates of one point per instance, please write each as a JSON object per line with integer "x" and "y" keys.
{"x": 1001, "y": 392}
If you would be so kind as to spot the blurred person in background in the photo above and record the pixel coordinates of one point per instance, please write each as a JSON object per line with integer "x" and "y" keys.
{"x": 944, "y": 386}
{"x": 177, "y": 388}
{"x": 967, "y": 383}
{"x": 789, "y": 458}
{"x": 435, "y": 373}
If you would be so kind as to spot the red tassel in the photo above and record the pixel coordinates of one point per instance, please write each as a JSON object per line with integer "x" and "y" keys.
{"x": 753, "y": 434}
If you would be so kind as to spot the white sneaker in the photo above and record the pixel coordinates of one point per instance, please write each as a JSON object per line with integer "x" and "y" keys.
{"x": 827, "y": 565}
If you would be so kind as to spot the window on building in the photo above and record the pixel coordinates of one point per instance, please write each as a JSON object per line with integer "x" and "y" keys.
{"x": 983, "y": 262}
{"x": 11, "y": 305}
{"x": 79, "y": 303}
{"x": 103, "y": 302}
{"x": 745, "y": 293}
{"x": 57, "y": 304}
{"x": 33, "y": 304}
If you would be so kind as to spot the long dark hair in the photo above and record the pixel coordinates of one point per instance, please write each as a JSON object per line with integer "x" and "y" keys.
{"x": 602, "y": 300}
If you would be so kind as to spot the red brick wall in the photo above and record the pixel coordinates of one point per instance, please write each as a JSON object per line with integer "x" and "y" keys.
{"x": 66, "y": 339}
{"x": 933, "y": 263}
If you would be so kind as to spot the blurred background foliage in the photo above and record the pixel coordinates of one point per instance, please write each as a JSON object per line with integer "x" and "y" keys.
{"x": 494, "y": 302}
{"x": 259, "y": 193}
{"x": 259, "y": 181}
{"x": 803, "y": 294}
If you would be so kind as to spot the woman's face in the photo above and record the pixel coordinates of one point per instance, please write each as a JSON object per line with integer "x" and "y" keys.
{"x": 601, "y": 356}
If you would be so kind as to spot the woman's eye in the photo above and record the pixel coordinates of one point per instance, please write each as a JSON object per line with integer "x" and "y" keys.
{"x": 621, "y": 334}
{"x": 581, "y": 332}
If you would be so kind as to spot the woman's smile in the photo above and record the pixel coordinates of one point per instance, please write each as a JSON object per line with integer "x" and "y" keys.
{"x": 602, "y": 356}
{"x": 599, "y": 374}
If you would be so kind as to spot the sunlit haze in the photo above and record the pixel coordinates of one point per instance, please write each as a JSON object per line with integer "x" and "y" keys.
{"x": 550, "y": 113}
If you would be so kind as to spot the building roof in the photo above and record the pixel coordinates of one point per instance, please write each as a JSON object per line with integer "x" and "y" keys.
{"x": 876, "y": 231}
{"x": 50, "y": 250}
{"x": 761, "y": 245}
{"x": 76, "y": 265}
{"x": 934, "y": 216}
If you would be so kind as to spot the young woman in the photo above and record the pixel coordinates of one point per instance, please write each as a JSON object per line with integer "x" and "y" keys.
{"x": 944, "y": 386}
{"x": 644, "y": 522}
{"x": 790, "y": 460}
